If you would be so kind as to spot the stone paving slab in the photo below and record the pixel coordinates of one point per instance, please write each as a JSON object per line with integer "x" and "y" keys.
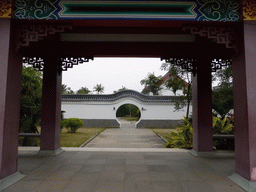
{"x": 127, "y": 136}
{"x": 147, "y": 170}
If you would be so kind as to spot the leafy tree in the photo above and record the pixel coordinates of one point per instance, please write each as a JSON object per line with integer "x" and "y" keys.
{"x": 225, "y": 75}
{"x": 83, "y": 90}
{"x": 222, "y": 95}
{"x": 174, "y": 83}
{"x": 180, "y": 80}
{"x": 222, "y": 100}
{"x": 31, "y": 100}
{"x": 98, "y": 88}
{"x": 73, "y": 124}
{"x": 66, "y": 90}
{"x": 153, "y": 83}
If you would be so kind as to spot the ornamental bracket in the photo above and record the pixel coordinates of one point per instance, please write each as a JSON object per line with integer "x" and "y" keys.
{"x": 69, "y": 62}
{"x": 34, "y": 33}
{"x": 63, "y": 64}
{"x": 189, "y": 64}
{"x": 218, "y": 64}
{"x": 222, "y": 35}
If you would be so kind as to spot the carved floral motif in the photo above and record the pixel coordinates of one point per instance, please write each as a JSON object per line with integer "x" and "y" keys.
{"x": 199, "y": 10}
{"x": 5, "y": 8}
{"x": 31, "y": 9}
{"x": 249, "y": 10}
{"x": 219, "y": 10}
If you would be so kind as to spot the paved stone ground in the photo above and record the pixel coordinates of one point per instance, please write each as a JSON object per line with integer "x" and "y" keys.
{"x": 127, "y": 137}
{"x": 125, "y": 170}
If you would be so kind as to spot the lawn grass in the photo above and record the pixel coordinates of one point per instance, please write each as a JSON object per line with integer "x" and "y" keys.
{"x": 78, "y": 138}
{"x": 164, "y": 132}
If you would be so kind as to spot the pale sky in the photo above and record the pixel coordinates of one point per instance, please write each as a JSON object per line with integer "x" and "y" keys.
{"x": 112, "y": 73}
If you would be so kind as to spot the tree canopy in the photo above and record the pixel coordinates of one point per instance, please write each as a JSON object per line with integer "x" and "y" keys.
{"x": 153, "y": 83}
{"x": 31, "y": 100}
{"x": 98, "y": 88}
{"x": 66, "y": 90}
{"x": 180, "y": 79}
{"x": 222, "y": 95}
{"x": 83, "y": 90}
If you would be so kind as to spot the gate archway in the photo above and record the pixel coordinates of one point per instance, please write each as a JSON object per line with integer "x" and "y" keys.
{"x": 148, "y": 34}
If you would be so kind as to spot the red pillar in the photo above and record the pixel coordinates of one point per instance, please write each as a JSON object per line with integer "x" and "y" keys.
{"x": 202, "y": 107}
{"x": 51, "y": 106}
{"x": 10, "y": 90}
{"x": 244, "y": 74}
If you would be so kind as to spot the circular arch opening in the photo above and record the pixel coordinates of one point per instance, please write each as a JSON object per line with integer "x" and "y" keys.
{"x": 128, "y": 112}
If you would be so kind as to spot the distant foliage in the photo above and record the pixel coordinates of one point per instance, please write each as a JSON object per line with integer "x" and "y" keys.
{"x": 73, "y": 124}
{"x": 222, "y": 99}
{"x": 153, "y": 83}
{"x": 83, "y": 90}
{"x": 128, "y": 110}
{"x": 222, "y": 95}
{"x": 98, "y": 88}
{"x": 180, "y": 79}
{"x": 66, "y": 90}
{"x": 31, "y": 100}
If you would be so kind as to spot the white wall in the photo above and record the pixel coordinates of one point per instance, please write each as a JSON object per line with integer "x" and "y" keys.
{"x": 82, "y": 110}
{"x": 103, "y": 110}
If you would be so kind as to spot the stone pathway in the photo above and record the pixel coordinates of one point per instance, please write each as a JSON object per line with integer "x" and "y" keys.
{"x": 99, "y": 170}
{"x": 122, "y": 161}
{"x": 127, "y": 137}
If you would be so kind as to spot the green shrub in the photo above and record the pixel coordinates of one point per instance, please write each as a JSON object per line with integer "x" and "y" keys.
{"x": 72, "y": 124}
{"x": 184, "y": 137}
{"x": 221, "y": 126}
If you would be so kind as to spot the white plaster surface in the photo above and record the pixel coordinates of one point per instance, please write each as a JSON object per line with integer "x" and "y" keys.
{"x": 96, "y": 110}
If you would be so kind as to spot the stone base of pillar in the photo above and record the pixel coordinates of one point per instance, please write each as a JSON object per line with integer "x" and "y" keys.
{"x": 50, "y": 152}
{"x": 202, "y": 154}
{"x": 249, "y": 186}
{"x": 10, "y": 180}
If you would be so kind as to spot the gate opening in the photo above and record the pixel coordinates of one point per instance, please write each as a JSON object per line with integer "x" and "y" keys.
{"x": 129, "y": 113}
